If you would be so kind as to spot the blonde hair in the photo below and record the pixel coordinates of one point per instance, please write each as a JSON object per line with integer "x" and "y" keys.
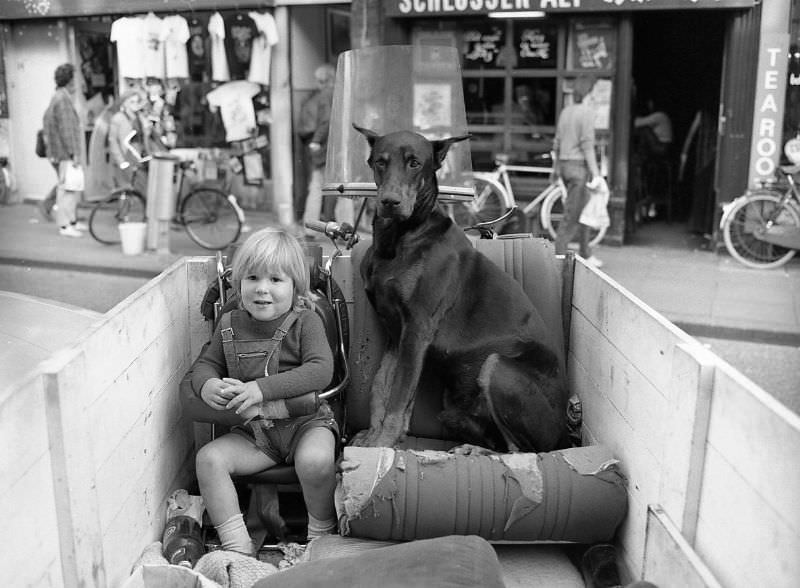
{"x": 273, "y": 248}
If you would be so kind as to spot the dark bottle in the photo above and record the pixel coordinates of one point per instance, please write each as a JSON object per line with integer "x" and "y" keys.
{"x": 183, "y": 541}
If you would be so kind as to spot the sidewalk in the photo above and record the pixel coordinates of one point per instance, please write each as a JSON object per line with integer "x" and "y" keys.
{"x": 704, "y": 293}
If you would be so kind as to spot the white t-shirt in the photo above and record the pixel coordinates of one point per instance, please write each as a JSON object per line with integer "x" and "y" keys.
{"x": 153, "y": 47}
{"x": 219, "y": 61}
{"x": 128, "y": 33}
{"x": 261, "y": 53}
{"x": 176, "y": 34}
{"x": 235, "y": 101}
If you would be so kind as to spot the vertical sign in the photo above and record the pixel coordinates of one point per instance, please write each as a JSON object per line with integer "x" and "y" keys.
{"x": 768, "y": 115}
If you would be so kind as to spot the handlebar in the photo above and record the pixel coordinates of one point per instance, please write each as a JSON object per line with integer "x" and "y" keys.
{"x": 331, "y": 229}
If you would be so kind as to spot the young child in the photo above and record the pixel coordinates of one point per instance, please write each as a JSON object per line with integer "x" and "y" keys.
{"x": 271, "y": 278}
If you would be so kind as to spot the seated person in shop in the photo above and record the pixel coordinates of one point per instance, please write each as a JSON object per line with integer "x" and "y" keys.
{"x": 652, "y": 133}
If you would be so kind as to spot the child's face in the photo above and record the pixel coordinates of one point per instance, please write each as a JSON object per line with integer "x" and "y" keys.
{"x": 266, "y": 295}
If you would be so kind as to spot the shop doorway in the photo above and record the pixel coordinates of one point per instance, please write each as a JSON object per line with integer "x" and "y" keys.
{"x": 681, "y": 71}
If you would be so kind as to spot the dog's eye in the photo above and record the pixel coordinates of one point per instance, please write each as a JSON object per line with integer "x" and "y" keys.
{"x": 380, "y": 164}
{"x": 414, "y": 163}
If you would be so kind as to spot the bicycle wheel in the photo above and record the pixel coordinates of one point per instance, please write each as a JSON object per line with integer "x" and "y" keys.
{"x": 490, "y": 203}
{"x": 124, "y": 204}
{"x": 749, "y": 216}
{"x": 552, "y": 213}
{"x": 210, "y": 219}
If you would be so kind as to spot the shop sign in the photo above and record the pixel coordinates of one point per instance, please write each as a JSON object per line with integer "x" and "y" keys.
{"x": 401, "y": 8}
{"x": 769, "y": 105}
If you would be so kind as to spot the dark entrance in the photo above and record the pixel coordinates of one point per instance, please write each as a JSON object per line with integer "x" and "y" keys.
{"x": 677, "y": 62}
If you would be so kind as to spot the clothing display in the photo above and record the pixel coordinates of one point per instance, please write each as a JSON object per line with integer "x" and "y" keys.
{"x": 176, "y": 35}
{"x": 219, "y": 62}
{"x": 240, "y": 32}
{"x": 261, "y": 54}
{"x": 235, "y": 101}
{"x": 128, "y": 33}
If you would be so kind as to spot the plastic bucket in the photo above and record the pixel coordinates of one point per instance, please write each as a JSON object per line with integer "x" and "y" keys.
{"x": 132, "y": 236}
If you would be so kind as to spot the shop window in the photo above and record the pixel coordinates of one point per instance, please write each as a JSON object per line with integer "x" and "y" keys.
{"x": 536, "y": 44}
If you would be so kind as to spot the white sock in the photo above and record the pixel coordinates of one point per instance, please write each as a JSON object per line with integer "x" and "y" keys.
{"x": 317, "y": 527}
{"x": 233, "y": 535}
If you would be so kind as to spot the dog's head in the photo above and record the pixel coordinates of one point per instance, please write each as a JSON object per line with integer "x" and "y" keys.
{"x": 404, "y": 165}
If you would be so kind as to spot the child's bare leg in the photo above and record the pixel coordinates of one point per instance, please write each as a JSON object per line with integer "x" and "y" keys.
{"x": 216, "y": 463}
{"x": 315, "y": 465}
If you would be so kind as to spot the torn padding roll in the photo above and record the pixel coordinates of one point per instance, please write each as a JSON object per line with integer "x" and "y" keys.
{"x": 569, "y": 495}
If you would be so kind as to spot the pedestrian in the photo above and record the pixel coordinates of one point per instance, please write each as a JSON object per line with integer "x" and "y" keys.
{"x": 575, "y": 162}
{"x": 64, "y": 138}
{"x": 653, "y": 132}
{"x": 125, "y": 150}
{"x": 272, "y": 281}
{"x": 315, "y": 117}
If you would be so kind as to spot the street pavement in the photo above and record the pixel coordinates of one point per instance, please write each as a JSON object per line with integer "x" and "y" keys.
{"x": 705, "y": 293}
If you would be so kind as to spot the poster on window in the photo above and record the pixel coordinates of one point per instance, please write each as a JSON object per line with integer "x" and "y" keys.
{"x": 536, "y": 45}
{"x": 592, "y": 45}
{"x": 432, "y": 106}
{"x": 481, "y": 45}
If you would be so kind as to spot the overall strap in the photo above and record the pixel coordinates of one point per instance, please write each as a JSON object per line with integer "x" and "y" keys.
{"x": 229, "y": 343}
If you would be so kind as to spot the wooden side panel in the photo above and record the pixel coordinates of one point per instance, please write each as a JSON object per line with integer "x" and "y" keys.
{"x": 27, "y": 500}
{"x": 642, "y": 382}
{"x": 669, "y": 559}
{"x": 749, "y": 525}
{"x": 105, "y": 443}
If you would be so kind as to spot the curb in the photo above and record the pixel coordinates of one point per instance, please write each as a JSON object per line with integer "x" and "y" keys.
{"x": 751, "y": 335}
{"x": 78, "y": 267}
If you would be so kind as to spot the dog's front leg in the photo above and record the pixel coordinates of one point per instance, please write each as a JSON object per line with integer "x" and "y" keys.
{"x": 392, "y": 394}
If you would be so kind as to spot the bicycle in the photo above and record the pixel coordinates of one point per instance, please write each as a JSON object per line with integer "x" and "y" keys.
{"x": 211, "y": 218}
{"x": 761, "y": 228}
{"x": 494, "y": 199}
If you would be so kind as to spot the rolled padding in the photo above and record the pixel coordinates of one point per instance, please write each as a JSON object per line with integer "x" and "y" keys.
{"x": 575, "y": 495}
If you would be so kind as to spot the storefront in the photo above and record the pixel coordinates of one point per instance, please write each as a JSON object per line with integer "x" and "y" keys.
{"x": 220, "y": 78}
{"x": 532, "y": 49}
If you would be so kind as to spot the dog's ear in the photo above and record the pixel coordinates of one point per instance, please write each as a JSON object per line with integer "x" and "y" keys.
{"x": 442, "y": 146}
{"x": 371, "y": 136}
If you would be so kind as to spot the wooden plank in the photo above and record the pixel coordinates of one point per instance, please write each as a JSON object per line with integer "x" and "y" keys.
{"x": 686, "y": 433}
{"x": 643, "y": 383}
{"x": 72, "y": 460}
{"x": 749, "y": 525}
{"x": 27, "y": 500}
{"x": 669, "y": 559}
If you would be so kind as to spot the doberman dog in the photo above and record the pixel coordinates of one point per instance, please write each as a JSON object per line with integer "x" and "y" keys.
{"x": 447, "y": 307}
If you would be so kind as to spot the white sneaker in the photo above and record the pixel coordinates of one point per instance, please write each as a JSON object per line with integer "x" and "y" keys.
{"x": 594, "y": 262}
{"x": 69, "y": 232}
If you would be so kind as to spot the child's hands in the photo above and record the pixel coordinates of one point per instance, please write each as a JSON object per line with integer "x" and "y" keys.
{"x": 245, "y": 396}
{"x": 217, "y": 393}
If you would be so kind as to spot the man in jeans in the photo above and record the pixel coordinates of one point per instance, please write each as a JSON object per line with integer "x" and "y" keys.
{"x": 575, "y": 162}
{"x": 64, "y": 137}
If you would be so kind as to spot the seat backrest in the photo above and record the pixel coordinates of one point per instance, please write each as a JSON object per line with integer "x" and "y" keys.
{"x": 531, "y": 261}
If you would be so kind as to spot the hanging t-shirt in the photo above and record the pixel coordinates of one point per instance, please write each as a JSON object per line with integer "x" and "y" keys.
{"x": 261, "y": 56}
{"x": 128, "y": 33}
{"x": 153, "y": 56}
{"x": 235, "y": 101}
{"x": 197, "y": 48}
{"x": 219, "y": 63}
{"x": 240, "y": 31}
{"x": 176, "y": 34}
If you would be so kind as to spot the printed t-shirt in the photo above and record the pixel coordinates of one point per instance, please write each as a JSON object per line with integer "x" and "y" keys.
{"x": 128, "y": 33}
{"x": 235, "y": 101}
{"x": 176, "y": 34}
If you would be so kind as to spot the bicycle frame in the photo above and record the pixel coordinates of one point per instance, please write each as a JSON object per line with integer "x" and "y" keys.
{"x": 790, "y": 196}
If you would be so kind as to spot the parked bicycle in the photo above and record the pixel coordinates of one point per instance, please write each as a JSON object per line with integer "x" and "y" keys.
{"x": 211, "y": 218}
{"x": 761, "y": 228}
{"x": 494, "y": 198}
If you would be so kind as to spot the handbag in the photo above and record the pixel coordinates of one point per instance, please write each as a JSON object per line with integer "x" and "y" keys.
{"x": 595, "y": 213}
{"x": 73, "y": 180}
{"x": 41, "y": 144}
